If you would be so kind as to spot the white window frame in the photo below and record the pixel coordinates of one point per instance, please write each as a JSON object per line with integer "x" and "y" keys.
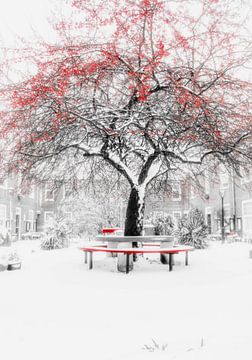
{"x": 70, "y": 217}
{"x": 227, "y": 209}
{"x": 18, "y": 212}
{"x": 225, "y": 176}
{"x": 244, "y": 217}
{"x": 208, "y": 210}
{"x": 186, "y": 212}
{"x": 207, "y": 185}
{"x": 48, "y": 189}
{"x": 193, "y": 193}
{"x": 175, "y": 218}
{"x": 246, "y": 177}
{"x": 46, "y": 213}
{"x": 179, "y": 192}
{"x": 32, "y": 192}
{"x": 31, "y": 215}
{"x": 3, "y": 219}
{"x": 4, "y": 184}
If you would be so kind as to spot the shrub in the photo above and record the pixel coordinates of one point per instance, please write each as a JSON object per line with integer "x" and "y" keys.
{"x": 57, "y": 234}
{"x": 163, "y": 225}
{"x": 192, "y": 229}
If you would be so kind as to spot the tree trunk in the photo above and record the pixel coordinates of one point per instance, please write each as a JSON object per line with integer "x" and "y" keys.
{"x": 135, "y": 213}
{"x": 133, "y": 222}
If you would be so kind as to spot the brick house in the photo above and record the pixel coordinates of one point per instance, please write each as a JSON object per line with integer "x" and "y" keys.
{"x": 174, "y": 200}
{"x": 237, "y": 201}
{"x": 19, "y": 212}
{"x": 51, "y": 201}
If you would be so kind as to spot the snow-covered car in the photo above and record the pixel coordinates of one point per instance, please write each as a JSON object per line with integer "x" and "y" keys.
{"x": 9, "y": 258}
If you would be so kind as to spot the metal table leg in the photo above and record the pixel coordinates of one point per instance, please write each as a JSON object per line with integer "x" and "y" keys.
{"x": 85, "y": 257}
{"x": 170, "y": 262}
{"x": 90, "y": 260}
{"x": 127, "y": 263}
{"x": 186, "y": 258}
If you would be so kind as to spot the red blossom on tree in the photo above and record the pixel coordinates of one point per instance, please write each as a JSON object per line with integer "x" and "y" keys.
{"x": 144, "y": 87}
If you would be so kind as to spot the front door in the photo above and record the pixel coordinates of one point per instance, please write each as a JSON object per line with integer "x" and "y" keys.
{"x": 18, "y": 223}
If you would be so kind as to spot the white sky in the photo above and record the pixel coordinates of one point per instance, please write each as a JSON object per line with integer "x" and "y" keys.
{"x": 18, "y": 17}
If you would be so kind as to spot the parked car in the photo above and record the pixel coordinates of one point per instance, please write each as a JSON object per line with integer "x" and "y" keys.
{"x": 9, "y": 258}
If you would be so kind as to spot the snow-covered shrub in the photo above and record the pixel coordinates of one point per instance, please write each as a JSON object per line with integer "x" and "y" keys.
{"x": 163, "y": 225}
{"x": 57, "y": 234}
{"x": 4, "y": 236}
{"x": 192, "y": 229}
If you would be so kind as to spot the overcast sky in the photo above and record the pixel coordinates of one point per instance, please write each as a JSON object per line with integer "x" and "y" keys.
{"x": 17, "y": 17}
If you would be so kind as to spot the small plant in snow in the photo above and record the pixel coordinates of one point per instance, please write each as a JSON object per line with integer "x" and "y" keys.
{"x": 155, "y": 346}
{"x": 57, "y": 234}
{"x": 192, "y": 229}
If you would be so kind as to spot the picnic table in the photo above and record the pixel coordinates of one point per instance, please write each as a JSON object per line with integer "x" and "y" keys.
{"x": 113, "y": 241}
{"x": 112, "y": 230}
{"x": 130, "y": 239}
{"x": 122, "y": 247}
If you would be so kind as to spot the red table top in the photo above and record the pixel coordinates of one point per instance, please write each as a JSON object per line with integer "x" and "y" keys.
{"x": 110, "y": 230}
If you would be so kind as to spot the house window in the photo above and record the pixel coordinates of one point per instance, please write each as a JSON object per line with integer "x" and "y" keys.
{"x": 185, "y": 213}
{"x": 67, "y": 189}
{"x": 246, "y": 176}
{"x": 207, "y": 186}
{"x": 49, "y": 193}
{"x": 176, "y": 217}
{"x": 224, "y": 178}
{"x": 239, "y": 223}
{"x": 30, "y": 221}
{"x": 68, "y": 215}
{"x": 32, "y": 192}
{"x": 176, "y": 192}
{"x": 3, "y": 215}
{"x": 247, "y": 217}
{"x": 48, "y": 217}
{"x": 31, "y": 215}
{"x": 227, "y": 211}
{"x": 193, "y": 192}
{"x": 18, "y": 222}
{"x": 3, "y": 183}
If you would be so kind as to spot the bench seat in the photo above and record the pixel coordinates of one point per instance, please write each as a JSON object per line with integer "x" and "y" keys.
{"x": 142, "y": 250}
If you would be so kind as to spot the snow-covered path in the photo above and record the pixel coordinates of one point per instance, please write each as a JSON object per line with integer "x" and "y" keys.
{"x": 55, "y": 308}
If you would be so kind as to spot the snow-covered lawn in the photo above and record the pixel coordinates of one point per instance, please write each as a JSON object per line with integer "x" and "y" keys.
{"x": 55, "y": 308}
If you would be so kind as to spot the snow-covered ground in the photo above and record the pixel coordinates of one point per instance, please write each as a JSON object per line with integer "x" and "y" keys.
{"x": 55, "y": 308}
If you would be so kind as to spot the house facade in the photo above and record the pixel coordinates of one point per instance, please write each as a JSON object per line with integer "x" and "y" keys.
{"x": 223, "y": 193}
{"x": 173, "y": 201}
{"x": 19, "y": 211}
{"x": 227, "y": 194}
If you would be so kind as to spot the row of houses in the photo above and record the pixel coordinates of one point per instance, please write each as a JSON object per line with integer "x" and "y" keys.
{"x": 26, "y": 211}
{"x": 223, "y": 195}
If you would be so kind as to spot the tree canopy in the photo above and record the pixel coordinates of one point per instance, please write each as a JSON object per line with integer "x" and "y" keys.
{"x": 143, "y": 86}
